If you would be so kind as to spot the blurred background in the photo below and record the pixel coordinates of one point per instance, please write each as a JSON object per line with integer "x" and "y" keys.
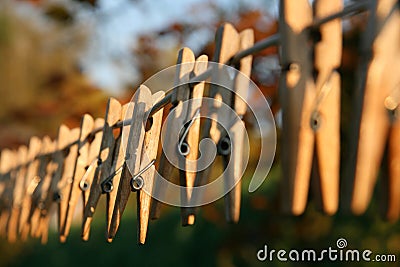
{"x": 60, "y": 59}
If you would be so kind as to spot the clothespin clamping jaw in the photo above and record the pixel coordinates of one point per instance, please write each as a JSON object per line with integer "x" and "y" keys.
{"x": 140, "y": 153}
{"x": 310, "y": 101}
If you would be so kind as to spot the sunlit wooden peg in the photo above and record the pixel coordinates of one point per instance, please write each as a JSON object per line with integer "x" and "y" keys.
{"x": 18, "y": 193}
{"x": 141, "y": 103}
{"x": 297, "y": 94}
{"x": 103, "y": 168}
{"x": 233, "y": 175}
{"x": 190, "y": 142}
{"x": 325, "y": 117}
{"x": 174, "y": 125}
{"x": 87, "y": 124}
{"x": 149, "y": 154}
{"x": 49, "y": 189}
{"x": 29, "y": 218}
{"x": 45, "y": 171}
{"x": 31, "y": 180}
{"x": 118, "y": 167}
{"x": 8, "y": 158}
{"x": 64, "y": 184}
{"x": 375, "y": 121}
{"x": 392, "y": 101}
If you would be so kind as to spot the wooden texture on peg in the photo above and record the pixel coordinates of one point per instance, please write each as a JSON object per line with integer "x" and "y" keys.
{"x": 326, "y": 107}
{"x": 141, "y": 103}
{"x": 297, "y": 94}
{"x": 31, "y": 180}
{"x": 50, "y": 186}
{"x": 18, "y": 192}
{"x": 45, "y": 172}
{"x": 391, "y": 80}
{"x": 87, "y": 125}
{"x": 174, "y": 124}
{"x": 237, "y": 135}
{"x": 149, "y": 153}
{"x": 375, "y": 122}
{"x": 29, "y": 221}
{"x": 103, "y": 168}
{"x": 192, "y": 141}
{"x": 64, "y": 184}
{"x": 310, "y": 109}
{"x": 8, "y": 158}
{"x": 118, "y": 166}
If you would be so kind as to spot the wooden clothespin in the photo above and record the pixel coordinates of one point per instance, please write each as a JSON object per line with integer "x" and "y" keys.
{"x": 381, "y": 49}
{"x": 229, "y": 143}
{"x": 184, "y": 122}
{"x": 31, "y": 181}
{"x": 104, "y": 164}
{"x": 18, "y": 192}
{"x": 29, "y": 218}
{"x": 118, "y": 168}
{"x": 8, "y": 158}
{"x": 49, "y": 188}
{"x": 44, "y": 172}
{"x": 141, "y": 151}
{"x": 64, "y": 184}
{"x": 310, "y": 108}
{"x": 88, "y": 150}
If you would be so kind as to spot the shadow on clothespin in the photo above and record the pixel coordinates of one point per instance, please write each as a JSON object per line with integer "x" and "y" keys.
{"x": 103, "y": 170}
{"x": 21, "y": 161}
{"x": 88, "y": 150}
{"x": 310, "y": 100}
{"x": 64, "y": 184}
{"x": 30, "y": 182}
{"x": 183, "y": 125}
{"x": 374, "y": 105}
{"x": 7, "y": 164}
{"x": 141, "y": 150}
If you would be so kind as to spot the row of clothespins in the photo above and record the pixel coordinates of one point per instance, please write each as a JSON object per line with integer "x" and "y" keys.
{"x": 101, "y": 162}
{"x": 116, "y": 155}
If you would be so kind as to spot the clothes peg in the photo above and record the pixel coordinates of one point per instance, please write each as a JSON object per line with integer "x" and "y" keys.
{"x": 310, "y": 108}
{"x": 31, "y": 180}
{"x": 111, "y": 183}
{"x": 175, "y": 123}
{"x": 132, "y": 176}
{"x": 64, "y": 185}
{"x": 149, "y": 154}
{"x": 88, "y": 149}
{"x": 382, "y": 37}
{"x": 183, "y": 122}
{"x": 49, "y": 187}
{"x": 21, "y": 161}
{"x": 45, "y": 171}
{"x": 30, "y": 219}
{"x": 104, "y": 162}
{"x": 228, "y": 43}
{"x": 8, "y": 158}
